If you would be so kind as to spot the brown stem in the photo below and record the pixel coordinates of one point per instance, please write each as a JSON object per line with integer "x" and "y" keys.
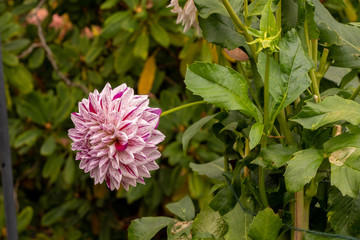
{"x": 299, "y": 214}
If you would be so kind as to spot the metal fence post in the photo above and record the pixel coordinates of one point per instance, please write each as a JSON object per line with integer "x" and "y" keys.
{"x": 5, "y": 158}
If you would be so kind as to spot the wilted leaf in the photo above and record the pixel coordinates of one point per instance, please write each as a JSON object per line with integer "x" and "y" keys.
{"x": 147, "y": 76}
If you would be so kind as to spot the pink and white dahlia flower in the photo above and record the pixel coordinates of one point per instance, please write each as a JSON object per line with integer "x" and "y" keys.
{"x": 186, "y": 15}
{"x": 115, "y": 136}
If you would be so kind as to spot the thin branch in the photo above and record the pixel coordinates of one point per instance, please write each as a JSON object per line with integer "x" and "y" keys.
{"x": 49, "y": 53}
{"x": 29, "y": 50}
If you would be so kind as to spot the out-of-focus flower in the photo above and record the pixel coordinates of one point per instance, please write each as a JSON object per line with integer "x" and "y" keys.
{"x": 186, "y": 15}
{"x": 115, "y": 136}
{"x": 41, "y": 14}
{"x": 61, "y": 23}
{"x": 57, "y": 21}
{"x": 91, "y": 33}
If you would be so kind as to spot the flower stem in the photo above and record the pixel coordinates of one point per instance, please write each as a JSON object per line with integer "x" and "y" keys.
{"x": 246, "y": 13}
{"x": 252, "y": 93}
{"x": 266, "y": 130}
{"x": 241, "y": 27}
{"x": 266, "y": 99}
{"x": 299, "y": 214}
{"x": 181, "y": 107}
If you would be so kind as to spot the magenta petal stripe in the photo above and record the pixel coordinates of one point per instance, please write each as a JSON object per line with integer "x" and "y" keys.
{"x": 115, "y": 136}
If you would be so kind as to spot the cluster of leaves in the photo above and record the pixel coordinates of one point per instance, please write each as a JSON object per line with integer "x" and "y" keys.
{"x": 309, "y": 154}
{"x": 131, "y": 41}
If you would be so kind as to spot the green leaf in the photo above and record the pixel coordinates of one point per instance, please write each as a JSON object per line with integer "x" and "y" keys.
{"x": 345, "y": 170}
{"x": 267, "y": 21}
{"x": 27, "y": 138}
{"x": 23, "y": 8}
{"x": 193, "y": 129}
{"x": 10, "y": 59}
{"x": 184, "y": 208}
{"x": 341, "y": 141}
{"x": 63, "y": 110}
{"x": 24, "y": 218}
{"x": 53, "y": 216}
{"x": 211, "y": 222}
{"x": 275, "y": 156}
{"x": 265, "y": 226}
{"x": 52, "y": 167}
{"x": 332, "y": 109}
{"x": 36, "y": 58}
{"x": 306, "y": 15}
{"x": 48, "y": 147}
{"x": 290, "y": 78}
{"x": 207, "y": 7}
{"x": 20, "y": 77}
{"x": 221, "y": 86}
{"x": 92, "y": 53}
{"x": 16, "y": 46}
{"x": 239, "y": 224}
{"x": 145, "y": 228}
{"x": 114, "y": 23}
{"x": 220, "y": 30}
{"x": 212, "y": 169}
{"x": 159, "y": 34}
{"x": 255, "y": 134}
{"x": 256, "y": 7}
{"x": 348, "y": 78}
{"x": 302, "y": 168}
{"x": 108, "y": 4}
{"x": 69, "y": 170}
{"x": 224, "y": 201}
{"x": 141, "y": 48}
{"x": 33, "y": 106}
{"x": 342, "y": 40}
{"x": 344, "y": 213}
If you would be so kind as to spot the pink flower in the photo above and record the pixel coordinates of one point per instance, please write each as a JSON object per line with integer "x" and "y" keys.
{"x": 186, "y": 15}
{"x": 115, "y": 136}
{"x": 57, "y": 21}
{"x": 41, "y": 14}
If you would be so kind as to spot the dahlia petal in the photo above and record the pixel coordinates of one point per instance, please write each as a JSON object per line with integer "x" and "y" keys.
{"x": 115, "y": 136}
{"x": 156, "y": 137}
{"x": 120, "y": 147}
{"x": 136, "y": 144}
{"x": 143, "y": 171}
{"x": 152, "y": 166}
{"x": 125, "y": 157}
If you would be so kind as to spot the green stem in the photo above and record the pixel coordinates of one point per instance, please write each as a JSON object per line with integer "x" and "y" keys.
{"x": 266, "y": 130}
{"x": 278, "y": 16}
{"x": 314, "y": 50}
{"x": 266, "y": 99}
{"x": 285, "y": 127}
{"x": 181, "y": 107}
{"x": 315, "y": 84}
{"x": 262, "y": 187}
{"x": 252, "y": 93}
{"x": 246, "y": 13}
{"x": 354, "y": 95}
{"x": 241, "y": 27}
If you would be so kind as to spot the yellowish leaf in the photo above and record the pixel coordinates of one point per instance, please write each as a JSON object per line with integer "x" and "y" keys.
{"x": 147, "y": 76}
